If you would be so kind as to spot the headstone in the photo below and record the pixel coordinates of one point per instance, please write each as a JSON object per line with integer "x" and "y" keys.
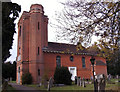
{"x": 50, "y": 83}
{"x": 48, "y": 86}
{"x": 75, "y": 79}
{"x": 80, "y": 82}
{"x": 101, "y": 83}
{"x": 117, "y": 76}
{"x": 10, "y": 78}
{"x": 83, "y": 82}
{"x": 109, "y": 77}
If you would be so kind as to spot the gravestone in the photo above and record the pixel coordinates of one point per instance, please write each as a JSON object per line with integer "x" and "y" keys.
{"x": 101, "y": 83}
{"x": 50, "y": 83}
{"x": 75, "y": 79}
{"x": 117, "y": 76}
{"x": 78, "y": 81}
{"x": 48, "y": 86}
{"x": 10, "y": 78}
{"x": 109, "y": 77}
{"x": 83, "y": 82}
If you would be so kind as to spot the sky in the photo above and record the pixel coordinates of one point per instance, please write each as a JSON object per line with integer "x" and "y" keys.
{"x": 50, "y": 7}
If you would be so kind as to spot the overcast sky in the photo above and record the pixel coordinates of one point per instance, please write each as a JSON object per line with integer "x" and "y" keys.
{"x": 50, "y": 6}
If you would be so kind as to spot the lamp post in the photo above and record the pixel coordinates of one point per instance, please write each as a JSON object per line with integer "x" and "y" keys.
{"x": 92, "y": 62}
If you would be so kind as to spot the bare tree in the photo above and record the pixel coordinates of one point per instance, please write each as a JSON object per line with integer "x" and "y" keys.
{"x": 81, "y": 20}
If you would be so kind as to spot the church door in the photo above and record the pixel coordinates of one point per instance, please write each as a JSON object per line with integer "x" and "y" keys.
{"x": 73, "y": 71}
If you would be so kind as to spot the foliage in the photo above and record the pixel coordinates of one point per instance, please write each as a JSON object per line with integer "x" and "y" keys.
{"x": 10, "y": 12}
{"x": 62, "y": 76}
{"x": 89, "y": 19}
{"x": 113, "y": 65}
{"x": 9, "y": 70}
{"x": 27, "y": 78}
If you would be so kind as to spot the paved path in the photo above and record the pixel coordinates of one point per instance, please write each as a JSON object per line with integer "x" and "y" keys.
{"x": 22, "y": 88}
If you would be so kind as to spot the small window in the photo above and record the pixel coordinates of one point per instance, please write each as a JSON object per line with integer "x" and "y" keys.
{"x": 71, "y": 58}
{"x": 18, "y": 69}
{"x": 83, "y": 62}
{"x": 38, "y": 26}
{"x": 38, "y": 50}
{"x": 20, "y": 31}
{"x": 38, "y": 72}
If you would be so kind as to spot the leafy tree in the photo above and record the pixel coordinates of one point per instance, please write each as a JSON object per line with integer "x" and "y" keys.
{"x": 10, "y": 12}
{"x": 9, "y": 70}
{"x": 81, "y": 20}
{"x": 6, "y": 70}
{"x": 62, "y": 76}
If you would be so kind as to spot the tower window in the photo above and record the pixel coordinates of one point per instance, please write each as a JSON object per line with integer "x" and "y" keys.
{"x": 18, "y": 69}
{"x": 83, "y": 62}
{"x": 38, "y": 72}
{"x": 38, "y": 51}
{"x": 38, "y": 26}
{"x": 20, "y": 31}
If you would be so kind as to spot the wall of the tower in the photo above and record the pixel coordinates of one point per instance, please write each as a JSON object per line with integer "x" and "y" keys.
{"x": 37, "y": 40}
{"x": 23, "y": 47}
{"x": 32, "y": 38}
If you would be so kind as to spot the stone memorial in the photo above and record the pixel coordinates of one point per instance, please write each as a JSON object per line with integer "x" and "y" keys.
{"x": 101, "y": 83}
{"x": 117, "y": 76}
{"x": 75, "y": 79}
{"x": 109, "y": 77}
{"x": 83, "y": 82}
{"x": 50, "y": 83}
{"x": 78, "y": 81}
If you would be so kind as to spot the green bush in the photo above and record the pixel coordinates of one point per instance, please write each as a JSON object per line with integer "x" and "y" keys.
{"x": 27, "y": 78}
{"x": 62, "y": 76}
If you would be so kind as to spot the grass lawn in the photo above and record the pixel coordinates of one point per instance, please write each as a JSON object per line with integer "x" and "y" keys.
{"x": 75, "y": 87}
{"x": 12, "y": 81}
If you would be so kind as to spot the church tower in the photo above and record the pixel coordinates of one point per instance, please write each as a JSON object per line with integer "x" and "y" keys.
{"x": 32, "y": 38}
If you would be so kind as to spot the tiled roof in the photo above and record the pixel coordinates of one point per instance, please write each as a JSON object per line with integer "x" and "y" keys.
{"x": 64, "y": 48}
{"x": 98, "y": 62}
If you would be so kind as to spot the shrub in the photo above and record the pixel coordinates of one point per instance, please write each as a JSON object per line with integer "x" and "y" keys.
{"x": 26, "y": 78}
{"x": 62, "y": 76}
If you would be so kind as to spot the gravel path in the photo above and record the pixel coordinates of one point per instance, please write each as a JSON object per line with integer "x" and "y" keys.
{"x": 22, "y": 88}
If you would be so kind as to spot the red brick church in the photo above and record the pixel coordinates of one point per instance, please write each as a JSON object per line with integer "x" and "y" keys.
{"x": 38, "y": 56}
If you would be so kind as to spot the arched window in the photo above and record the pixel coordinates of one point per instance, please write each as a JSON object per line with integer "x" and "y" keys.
{"x": 58, "y": 61}
{"x": 83, "y": 62}
{"x": 71, "y": 58}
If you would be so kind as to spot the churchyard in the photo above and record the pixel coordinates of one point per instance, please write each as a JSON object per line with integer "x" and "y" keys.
{"x": 112, "y": 84}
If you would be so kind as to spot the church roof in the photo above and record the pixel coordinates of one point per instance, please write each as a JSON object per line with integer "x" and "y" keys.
{"x": 64, "y": 48}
